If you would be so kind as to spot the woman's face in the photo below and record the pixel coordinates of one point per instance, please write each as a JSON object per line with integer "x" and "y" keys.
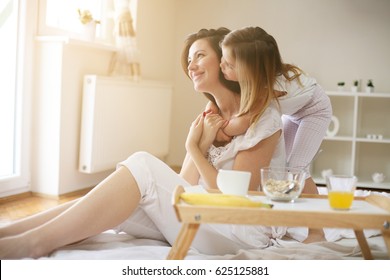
{"x": 228, "y": 65}
{"x": 203, "y": 66}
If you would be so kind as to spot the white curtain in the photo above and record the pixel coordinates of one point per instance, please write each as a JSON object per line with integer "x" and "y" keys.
{"x": 125, "y": 62}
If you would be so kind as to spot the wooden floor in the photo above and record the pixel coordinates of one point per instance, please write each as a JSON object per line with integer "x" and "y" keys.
{"x": 28, "y": 204}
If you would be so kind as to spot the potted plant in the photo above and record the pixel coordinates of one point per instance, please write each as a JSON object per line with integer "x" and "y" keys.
{"x": 340, "y": 86}
{"x": 370, "y": 86}
{"x": 88, "y": 24}
{"x": 355, "y": 86}
{"x": 85, "y": 17}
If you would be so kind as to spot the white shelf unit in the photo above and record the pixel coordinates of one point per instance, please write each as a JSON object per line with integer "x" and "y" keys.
{"x": 351, "y": 151}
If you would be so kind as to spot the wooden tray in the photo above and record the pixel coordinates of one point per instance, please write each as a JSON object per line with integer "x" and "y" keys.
{"x": 312, "y": 211}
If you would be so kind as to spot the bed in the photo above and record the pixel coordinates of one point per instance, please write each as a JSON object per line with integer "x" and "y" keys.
{"x": 110, "y": 245}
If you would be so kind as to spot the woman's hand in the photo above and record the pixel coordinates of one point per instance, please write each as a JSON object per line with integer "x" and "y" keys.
{"x": 195, "y": 133}
{"x": 200, "y": 137}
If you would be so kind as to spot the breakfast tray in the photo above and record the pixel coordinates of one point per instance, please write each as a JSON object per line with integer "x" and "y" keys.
{"x": 312, "y": 211}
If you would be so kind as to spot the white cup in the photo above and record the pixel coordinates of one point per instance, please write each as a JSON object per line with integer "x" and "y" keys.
{"x": 233, "y": 181}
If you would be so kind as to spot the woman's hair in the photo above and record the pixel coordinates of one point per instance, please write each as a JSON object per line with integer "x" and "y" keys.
{"x": 258, "y": 62}
{"x": 214, "y": 37}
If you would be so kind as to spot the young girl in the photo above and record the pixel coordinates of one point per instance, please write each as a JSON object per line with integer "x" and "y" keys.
{"x": 251, "y": 57}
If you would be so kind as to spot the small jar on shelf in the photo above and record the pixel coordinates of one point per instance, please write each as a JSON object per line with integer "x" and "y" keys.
{"x": 355, "y": 86}
{"x": 340, "y": 86}
{"x": 370, "y": 86}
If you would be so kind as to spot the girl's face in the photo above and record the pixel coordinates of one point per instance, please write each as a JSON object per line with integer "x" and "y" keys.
{"x": 203, "y": 66}
{"x": 228, "y": 65}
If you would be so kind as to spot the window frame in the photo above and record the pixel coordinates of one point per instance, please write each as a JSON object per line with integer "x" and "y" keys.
{"x": 20, "y": 181}
{"x": 106, "y": 25}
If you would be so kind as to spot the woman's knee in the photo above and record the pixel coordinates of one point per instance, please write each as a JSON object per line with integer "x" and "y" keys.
{"x": 141, "y": 155}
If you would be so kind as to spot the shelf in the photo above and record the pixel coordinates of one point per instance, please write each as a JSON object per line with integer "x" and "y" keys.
{"x": 358, "y": 94}
{"x": 367, "y": 140}
{"x": 370, "y": 184}
{"x": 76, "y": 42}
{"x": 361, "y": 144}
{"x": 364, "y": 184}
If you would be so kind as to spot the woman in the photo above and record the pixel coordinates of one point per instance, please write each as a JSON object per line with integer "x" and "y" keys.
{"x": 251, "y": 56}
{"x": 136, "y": 198}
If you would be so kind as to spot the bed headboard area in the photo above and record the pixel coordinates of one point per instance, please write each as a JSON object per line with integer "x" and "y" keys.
{"x": 120, "y": 117}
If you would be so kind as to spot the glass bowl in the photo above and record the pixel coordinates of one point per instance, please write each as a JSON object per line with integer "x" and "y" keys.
{"x": 282, "y": 183}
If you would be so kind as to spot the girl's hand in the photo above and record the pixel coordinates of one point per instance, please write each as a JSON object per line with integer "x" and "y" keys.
{"x": 221, "y": 136}
{"x": 212, "y": 124}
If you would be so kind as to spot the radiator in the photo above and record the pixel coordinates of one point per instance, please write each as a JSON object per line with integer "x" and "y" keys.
{"x": 120, "y": 117}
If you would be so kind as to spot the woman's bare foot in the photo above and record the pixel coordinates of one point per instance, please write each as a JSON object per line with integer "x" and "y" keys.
{"x": 18, "y": 247}
{"x": 315, "y": 235}
{"x": 310, "y": 186}
{"x": 2, "y": 231}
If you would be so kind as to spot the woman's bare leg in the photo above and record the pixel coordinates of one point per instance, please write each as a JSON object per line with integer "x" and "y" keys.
{"x": 30, "y": 222}
{"x": 104, "y": 207}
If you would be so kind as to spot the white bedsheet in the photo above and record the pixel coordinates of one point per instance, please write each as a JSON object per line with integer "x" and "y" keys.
{"x": 112, "y": 246}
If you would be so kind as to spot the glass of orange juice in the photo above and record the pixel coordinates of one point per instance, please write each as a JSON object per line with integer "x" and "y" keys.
{"x": 341, "y": 190}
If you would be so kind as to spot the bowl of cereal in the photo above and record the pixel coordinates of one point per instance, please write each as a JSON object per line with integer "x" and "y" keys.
{"x": 282, "y": 183}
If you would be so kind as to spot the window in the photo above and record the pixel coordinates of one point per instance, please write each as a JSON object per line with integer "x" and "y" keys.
{"x": 63, "y": 15}
{"x": 8, "y": 28}
{"x": 13, "y": 126}
{"x": 60, "y": 17}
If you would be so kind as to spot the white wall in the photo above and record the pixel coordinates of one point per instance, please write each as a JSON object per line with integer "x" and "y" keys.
{"x": 56, "y": 114}
{"x": 155, "y": 37}
{"x": 332, "y": 40}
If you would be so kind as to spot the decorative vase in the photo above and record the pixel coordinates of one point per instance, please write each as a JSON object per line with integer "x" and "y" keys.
{"x": 89, "y": 30}
{"x": 378, "y": 177}
{"x": 326, "y": 172}
{"x": 333, "y": 128}
{"x": 369, "y": 89}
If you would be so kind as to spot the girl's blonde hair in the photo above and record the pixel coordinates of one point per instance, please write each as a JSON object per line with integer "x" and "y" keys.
{"x": 258, "y": 63}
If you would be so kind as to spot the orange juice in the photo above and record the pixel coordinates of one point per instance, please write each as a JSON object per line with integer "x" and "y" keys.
{"x": 340, "y": 200}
